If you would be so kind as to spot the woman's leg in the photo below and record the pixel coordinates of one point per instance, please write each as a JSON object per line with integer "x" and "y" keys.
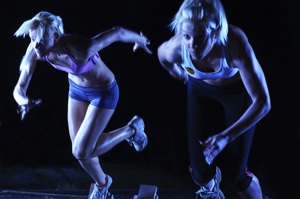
{"x": 202, "y": 121}
{"x": 235, "y": 156}
{"x": 253, "y": 191}
{"x": 86, "y": 125}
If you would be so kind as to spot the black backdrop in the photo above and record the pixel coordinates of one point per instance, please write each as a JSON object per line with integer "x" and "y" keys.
{"x": 146, "y": 89}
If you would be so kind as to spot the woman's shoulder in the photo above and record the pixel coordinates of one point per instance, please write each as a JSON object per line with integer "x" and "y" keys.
{"x": 235, "y": 33}
{"x": 174, "y": 42}
{"x": 75, "y": 42}
{"x": 238, "y": 43}
{"x": 74, "y": 38}
{"x": 171, "y": 48}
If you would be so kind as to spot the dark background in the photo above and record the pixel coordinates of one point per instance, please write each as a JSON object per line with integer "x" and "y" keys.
{"x": 146, "y": 88}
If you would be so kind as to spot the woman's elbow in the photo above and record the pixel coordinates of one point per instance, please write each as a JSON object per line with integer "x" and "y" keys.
{"x": 16, "y": 92}
{"x": 266, "y": 105}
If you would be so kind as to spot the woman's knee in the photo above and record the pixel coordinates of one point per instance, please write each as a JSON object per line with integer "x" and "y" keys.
{"x": 80, "y": 153}
{"x": 243, "y": 182}
{"x": 201, "y": 178}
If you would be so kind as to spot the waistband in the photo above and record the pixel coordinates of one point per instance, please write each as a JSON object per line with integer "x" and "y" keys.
{"x": 73, "y": 84}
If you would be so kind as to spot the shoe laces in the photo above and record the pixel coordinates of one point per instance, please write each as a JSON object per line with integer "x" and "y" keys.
{"x": 207, "y": 194}
{"x": 99, "y": 193}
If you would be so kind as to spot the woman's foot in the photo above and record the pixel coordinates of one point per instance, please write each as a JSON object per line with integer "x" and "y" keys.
{"x": 101, "y": 192}
{"x": 215, "y": 192}
{"x": 139, "y": 139}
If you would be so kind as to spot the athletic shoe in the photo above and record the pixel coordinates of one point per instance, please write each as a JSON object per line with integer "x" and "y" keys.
{"x": 139, "y": 139}
{"x": 102, "y": 192}
{"x": 215, "y": 193}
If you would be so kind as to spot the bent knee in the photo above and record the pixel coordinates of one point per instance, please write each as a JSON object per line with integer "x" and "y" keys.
{"x": 243, "y": 182}
{"x": 202, "y": 178}
{"x": 80, "y": 153}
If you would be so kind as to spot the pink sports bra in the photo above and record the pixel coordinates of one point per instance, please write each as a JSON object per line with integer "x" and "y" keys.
{"x": 76, "y": 69}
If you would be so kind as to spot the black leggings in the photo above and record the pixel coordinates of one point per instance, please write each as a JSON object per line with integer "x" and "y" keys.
{"x": 210, "y": 109}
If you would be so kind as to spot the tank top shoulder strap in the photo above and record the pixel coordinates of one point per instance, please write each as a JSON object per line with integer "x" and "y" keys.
{"x": 225, "y": 55}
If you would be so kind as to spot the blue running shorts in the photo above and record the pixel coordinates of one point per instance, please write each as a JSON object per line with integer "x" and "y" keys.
{"x": 103, "y": 97}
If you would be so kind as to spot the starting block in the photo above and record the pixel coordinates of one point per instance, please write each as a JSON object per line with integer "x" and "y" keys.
{"x": 108, "y": 195}
{"x": 147, "y": 192}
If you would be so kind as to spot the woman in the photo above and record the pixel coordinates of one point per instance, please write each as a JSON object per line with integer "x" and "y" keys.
{"x": 227, "y": 95}
{"x": 93, "y": 91}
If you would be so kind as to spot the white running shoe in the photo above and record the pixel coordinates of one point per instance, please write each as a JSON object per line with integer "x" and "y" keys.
{"x": 102, "y": 193}
{"x": 139, "y": 139}
{"x": 216, "y": 192}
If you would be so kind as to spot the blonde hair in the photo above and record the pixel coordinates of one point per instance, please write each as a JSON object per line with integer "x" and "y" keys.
{"x": 208, "y": 13}
{"x": 44, "y": 22}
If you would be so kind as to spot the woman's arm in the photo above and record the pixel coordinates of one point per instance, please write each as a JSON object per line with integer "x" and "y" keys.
{"x": 243, "y": 57}
{"x": 27, "y": 68}
{"x": 170, "y": 58}
{"x": 254, "y": 81}
{"x": 118, "y": 34}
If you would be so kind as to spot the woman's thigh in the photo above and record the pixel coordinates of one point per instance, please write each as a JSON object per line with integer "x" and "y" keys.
{"x": 86, "y": 122}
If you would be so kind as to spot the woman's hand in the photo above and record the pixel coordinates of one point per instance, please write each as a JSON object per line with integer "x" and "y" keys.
{"x": 144, "y": 44}
{"x": 25, "y": 108}
{"x": 213, "y": 146}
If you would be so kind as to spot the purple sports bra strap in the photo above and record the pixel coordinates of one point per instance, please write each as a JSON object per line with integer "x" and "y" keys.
{"x": 95, "y": 58}
{"x": 45, "y": 58}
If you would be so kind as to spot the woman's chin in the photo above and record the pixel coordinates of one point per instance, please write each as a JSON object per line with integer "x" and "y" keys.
{"x": 40, "y": 54}
{"x": 196, "y": 57}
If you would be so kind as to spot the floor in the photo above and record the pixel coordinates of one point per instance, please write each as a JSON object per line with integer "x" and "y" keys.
{"x": 118, "y": 194}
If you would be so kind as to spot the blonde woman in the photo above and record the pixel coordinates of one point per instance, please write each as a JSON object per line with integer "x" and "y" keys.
{"x": 227, "y": 95}
{"x": 93, "y": 90}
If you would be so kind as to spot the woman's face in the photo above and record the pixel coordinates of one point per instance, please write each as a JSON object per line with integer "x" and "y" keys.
{"x": 197, "y": 40}
{"x": 42, "y": 46}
